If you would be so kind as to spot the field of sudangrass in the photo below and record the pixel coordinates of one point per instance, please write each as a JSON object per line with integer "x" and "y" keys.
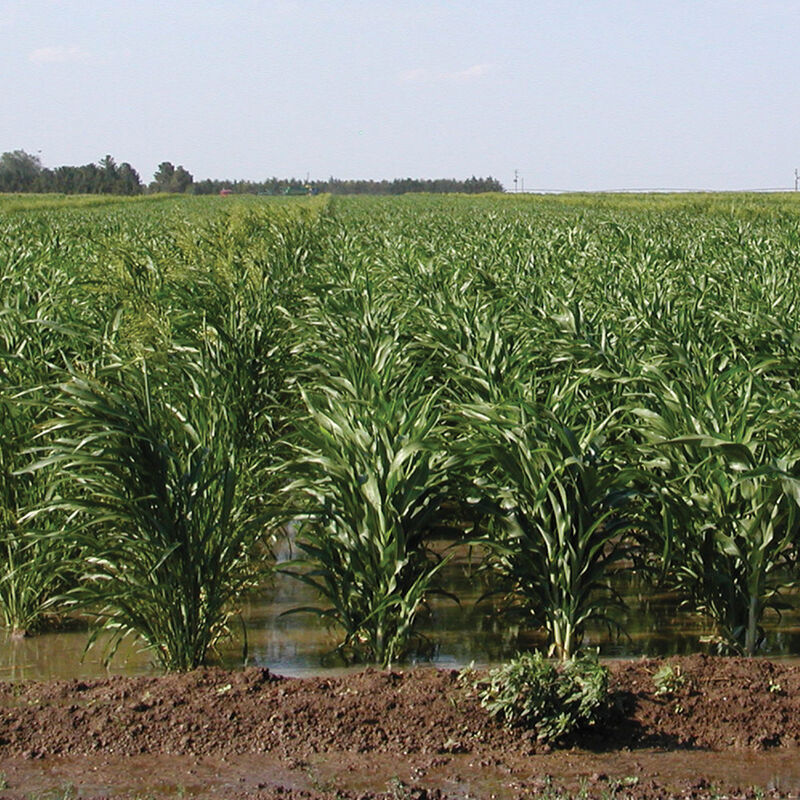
{"x": 571, "y": 385}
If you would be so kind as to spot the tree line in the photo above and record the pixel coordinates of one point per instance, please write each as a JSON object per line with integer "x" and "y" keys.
{"x": 24, "y": 172}
{"x": 338, "y": 186}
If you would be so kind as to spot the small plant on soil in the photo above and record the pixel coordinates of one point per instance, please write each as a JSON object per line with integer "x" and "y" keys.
{"x": 668, "y": 679}
{"x": 554, "y": 700}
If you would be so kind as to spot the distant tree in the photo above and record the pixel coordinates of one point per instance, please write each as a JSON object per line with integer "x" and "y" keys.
{"x": 337, "y": 186}
{"x": 65, "y": 180}
{"x": 128, "y": 180}
{"x": 182, "y": 179}
{"x": 108, "y": 175}
{"x": 22, "y": 172}
{"x": 19, "y": 171}
{"x": 107, "y": 164}
{"x": 162, "y": 177}
{"x": 168, "y": 178}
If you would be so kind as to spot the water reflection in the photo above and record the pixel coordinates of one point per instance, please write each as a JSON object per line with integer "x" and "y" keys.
{"x": 52, "y": 656}
{"x": 472, "y": 632}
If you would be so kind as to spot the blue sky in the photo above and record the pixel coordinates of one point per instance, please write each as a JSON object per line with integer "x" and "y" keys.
{"x": 591, "y": 94}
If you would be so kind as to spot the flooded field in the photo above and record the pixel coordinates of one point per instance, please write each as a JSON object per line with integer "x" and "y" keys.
{"x": 473, "y": 632}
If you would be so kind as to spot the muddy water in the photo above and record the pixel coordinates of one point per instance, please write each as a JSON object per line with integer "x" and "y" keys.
{"x": 472, "y": 632}
{"x": 459, "y": 776}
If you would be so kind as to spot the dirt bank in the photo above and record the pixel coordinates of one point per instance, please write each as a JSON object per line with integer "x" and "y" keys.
{"x": 733, "y": 724}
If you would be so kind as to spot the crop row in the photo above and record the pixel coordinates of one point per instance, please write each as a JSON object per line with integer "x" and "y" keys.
{"x": 571, "y": 387}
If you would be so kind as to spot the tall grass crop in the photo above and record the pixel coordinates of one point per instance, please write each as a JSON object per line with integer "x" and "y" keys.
{"x": 372, "y": 469}
{"x": 371, "y": 355}
{"x": 560, "y": 498}
{"x": 168, "y": 541}
{"x": 731, "y": 491}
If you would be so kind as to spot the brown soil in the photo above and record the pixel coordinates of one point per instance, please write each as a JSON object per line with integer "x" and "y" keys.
{"x": 733, "y": 725}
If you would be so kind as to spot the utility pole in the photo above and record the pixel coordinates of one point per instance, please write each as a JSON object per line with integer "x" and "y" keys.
{"x": 796, "y": 180}
{"x": 516, "y": 178}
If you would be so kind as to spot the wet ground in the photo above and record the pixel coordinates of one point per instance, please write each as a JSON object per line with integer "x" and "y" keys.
{"x": 731, "y": 729}
{"x": 647, "y": 773}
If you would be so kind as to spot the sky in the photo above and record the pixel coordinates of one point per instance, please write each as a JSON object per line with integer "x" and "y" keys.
{"x": 574, "y": 95}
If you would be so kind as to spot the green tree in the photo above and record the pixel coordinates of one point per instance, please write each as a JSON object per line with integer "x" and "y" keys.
{"x": 169, "y": 178}
{"x": 18, "y": 171}
{"x": 128, "y": 180}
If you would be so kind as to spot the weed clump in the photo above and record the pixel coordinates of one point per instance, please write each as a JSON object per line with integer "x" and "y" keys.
{"x": 553, "y": 700}
{"x": 668, "y": 679}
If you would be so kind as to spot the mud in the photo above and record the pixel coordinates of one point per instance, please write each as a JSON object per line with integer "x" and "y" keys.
{"x": 731, "y": 728}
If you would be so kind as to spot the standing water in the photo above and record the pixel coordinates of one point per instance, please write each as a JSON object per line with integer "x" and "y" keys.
{"x": 471, "y": 632}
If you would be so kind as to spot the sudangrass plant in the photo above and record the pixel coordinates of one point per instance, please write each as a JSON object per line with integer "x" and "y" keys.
{"x": 560, "y": 500}
{"x": 36, "y": 572}
{"x": 371, "y": 473}
{"x": 730, "y": 497}
{"x": 375, "y": 480}
{"x": 153, "y": 488}
{"x": 31, "y": 566}
{"x": 34, "y": 558}
{"x": 579, "y": 306}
